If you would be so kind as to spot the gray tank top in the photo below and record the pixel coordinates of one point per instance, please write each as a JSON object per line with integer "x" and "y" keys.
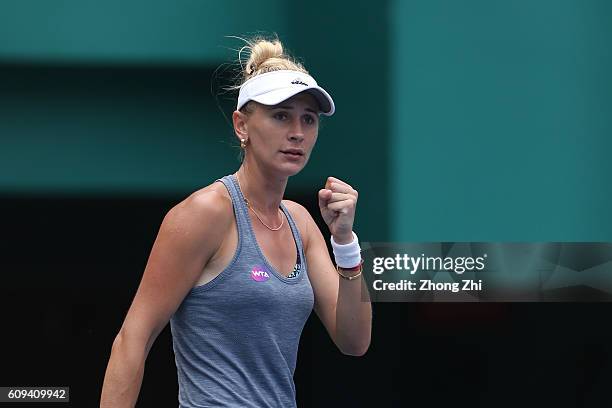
{"x": 235, "y": 337}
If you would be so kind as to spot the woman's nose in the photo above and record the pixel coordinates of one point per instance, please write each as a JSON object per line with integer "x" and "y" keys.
{"x": 296, "y": 137}
{"x": 296, "y": 131}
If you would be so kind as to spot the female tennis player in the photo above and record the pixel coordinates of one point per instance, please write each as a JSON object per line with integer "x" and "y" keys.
{"x": 237, "y": 270}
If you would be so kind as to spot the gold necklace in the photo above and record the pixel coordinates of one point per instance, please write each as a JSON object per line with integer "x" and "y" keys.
{"x": 255, "y": 212}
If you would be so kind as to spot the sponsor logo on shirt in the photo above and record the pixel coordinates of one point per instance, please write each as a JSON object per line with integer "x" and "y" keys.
{"x": 260, "y": 274}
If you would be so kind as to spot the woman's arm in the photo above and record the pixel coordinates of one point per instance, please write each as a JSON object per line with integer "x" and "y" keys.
{"x": 188, "y": 237}
{"x": 338, "y": 303}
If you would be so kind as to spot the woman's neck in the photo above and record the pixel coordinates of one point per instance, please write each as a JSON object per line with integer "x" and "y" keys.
{"x": 264, "y": 191}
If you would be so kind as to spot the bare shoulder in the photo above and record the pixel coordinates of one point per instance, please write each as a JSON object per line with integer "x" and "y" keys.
{"x": 302, "y": 218}
{"x": 298, "y": 211}
{"x": 203, "y": 219}
{"x": 211, "y": 205}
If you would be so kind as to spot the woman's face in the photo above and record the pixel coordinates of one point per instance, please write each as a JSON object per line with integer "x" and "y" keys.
{"x": 281, "y": 137}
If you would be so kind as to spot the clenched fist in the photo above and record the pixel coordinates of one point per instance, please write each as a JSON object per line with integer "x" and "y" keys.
{"x": 337, "y": 202}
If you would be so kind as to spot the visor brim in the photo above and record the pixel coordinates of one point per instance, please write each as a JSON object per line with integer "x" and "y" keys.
{"x": 326, "y": 104}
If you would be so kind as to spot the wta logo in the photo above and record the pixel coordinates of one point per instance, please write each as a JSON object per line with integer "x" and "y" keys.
{"x": 259, "y": 274}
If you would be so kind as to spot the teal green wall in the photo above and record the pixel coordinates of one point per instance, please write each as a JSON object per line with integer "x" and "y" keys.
{"x": 501, "y": 120}
{"x": 348, "y": 52}
{"x": 456, "y": 121}
{"x": 114, "y": 97}
{"x": 77, "y": 131}
{"x": 134, "y": 31}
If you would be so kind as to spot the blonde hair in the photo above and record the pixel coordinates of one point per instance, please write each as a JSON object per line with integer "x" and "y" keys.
{"x": 265, "y": 55}
{"x": 260, "y": 55}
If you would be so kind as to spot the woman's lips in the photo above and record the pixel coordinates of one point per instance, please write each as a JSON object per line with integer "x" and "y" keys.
{"x": 293, "y": 153}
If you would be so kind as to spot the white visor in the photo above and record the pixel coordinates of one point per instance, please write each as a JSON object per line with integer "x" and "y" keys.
{"x": 274, "y": 87}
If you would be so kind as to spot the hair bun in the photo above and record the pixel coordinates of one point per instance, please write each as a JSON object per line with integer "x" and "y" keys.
{"x": 266, "y": 55}
{"x": 261, "y": 51}
{"x": 258, "y": 56}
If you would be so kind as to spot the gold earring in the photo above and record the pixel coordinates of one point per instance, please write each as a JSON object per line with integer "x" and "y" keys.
{"x": 243, "y": 143}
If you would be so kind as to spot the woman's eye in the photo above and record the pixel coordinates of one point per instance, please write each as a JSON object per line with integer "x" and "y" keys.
{"x": 280, "y": 116}
{"x": 309, "y": 120}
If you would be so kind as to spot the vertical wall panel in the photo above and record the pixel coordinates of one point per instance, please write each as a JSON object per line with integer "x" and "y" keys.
{"x": 501, "y": 112}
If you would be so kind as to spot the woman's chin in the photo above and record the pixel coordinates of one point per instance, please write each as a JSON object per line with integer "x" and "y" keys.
{"x": 291, "y": 169}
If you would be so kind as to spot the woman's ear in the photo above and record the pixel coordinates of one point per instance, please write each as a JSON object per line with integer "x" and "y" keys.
{"x": 240, "y": 124}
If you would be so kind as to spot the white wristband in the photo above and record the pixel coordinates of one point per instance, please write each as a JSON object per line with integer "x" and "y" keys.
{"x": 347, "y": 255}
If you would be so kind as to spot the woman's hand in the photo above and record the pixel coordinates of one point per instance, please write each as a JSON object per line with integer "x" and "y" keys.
{"x": 338, "y": 202}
